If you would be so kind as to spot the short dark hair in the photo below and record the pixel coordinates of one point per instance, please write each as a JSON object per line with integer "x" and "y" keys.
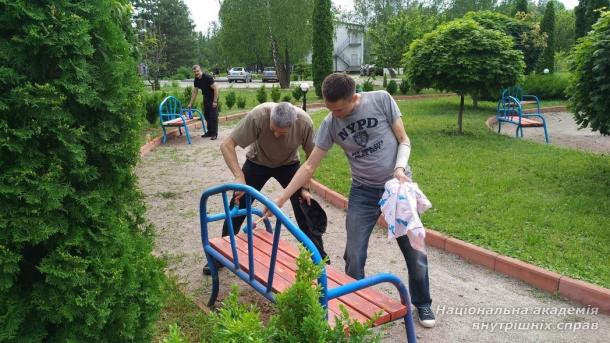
{"x": 338, "y": 86}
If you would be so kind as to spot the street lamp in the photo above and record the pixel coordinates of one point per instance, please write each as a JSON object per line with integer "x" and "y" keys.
{"x": 546, "y": 70}
{"x": 304, "y": 87}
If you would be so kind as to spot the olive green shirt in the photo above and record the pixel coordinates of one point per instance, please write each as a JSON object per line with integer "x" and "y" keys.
{"x": 267, "y": 150}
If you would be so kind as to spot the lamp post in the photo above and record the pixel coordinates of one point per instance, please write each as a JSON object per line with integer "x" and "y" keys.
{"x": 304, "y": 87}
{"x": 546, "y": 70}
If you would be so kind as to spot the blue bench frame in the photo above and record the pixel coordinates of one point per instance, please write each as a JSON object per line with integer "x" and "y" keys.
{"x": 510, "y": 110}
{"x": 250, "y": 195}
{"x": 170, "y": 109}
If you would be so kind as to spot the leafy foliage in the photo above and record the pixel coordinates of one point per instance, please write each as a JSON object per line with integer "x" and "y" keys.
{"x": 276, "y": 94}
{"x": 297, "y": 93}
{"x": 520, "y": 7}
{"x": 322, "y": 43}
{"x": 261, "y": 94}
{"x": 590, "y": 85}
{"x": 391, "y": 39}
{"x": 587, "y": 13}
{"x": 547, "y": 86}
{"x": 367, "y": 85}
{"x": 286, "y": 98}
{"x": 525, "y": 32}
{"x": 75, "y": 256}
{"x": 241, "y": 102}
{"x": 463, "y": 57}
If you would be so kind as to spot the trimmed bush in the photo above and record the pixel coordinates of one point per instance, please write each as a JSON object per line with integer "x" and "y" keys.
{"x": 367, "y": 85}
{"x": 547, "y": 86}
{"x": 297, "y": 93}
{"x": 230, "y": 99}
{"x": 152, "y": 100}
{"x": 241, "y": 102}
{"x": 276, "y": 94}
{"x": 392, "y": 87}
{"x": 261, "y": 94}
{"x": 186, "y": 96}
{"x": 404, "y": 86}
{"x": 75, "y": 253}
{"x": 286, "y": 98}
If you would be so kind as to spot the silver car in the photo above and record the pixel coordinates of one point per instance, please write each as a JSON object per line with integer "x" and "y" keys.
{"x": 269, "y": 74}
{"x": 239, "y": 74}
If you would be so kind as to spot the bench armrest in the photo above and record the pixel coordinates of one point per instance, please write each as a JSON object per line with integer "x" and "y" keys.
{"x": 368, "y": 282}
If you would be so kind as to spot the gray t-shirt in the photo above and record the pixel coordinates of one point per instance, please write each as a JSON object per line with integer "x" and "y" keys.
{"x": 366, "y": 137}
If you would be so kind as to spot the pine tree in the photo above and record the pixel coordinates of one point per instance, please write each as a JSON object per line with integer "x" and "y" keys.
{"x": 587, "y": 13}
{"x": 547, "y": 60}
{"x": 322, "y": 42}
{"x": 520, "y": 6}
{"x": 75, "y": 259}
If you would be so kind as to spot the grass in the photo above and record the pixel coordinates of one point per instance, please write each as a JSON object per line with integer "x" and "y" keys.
{"x": 538, "y": 203}
{"x": 178, "y": 309}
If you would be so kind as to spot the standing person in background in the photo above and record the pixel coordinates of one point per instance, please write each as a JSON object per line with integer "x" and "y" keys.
{"x": 210, "y": 92}
{"x": 369, "y": 129}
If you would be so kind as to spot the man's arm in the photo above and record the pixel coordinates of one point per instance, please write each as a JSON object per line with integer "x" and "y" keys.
{"x": 404, "y": 147}
{"x": 193, "y": 96}
{"x": 216, "y": 90}
{"x": 302, "y": 176}
{"x": 227, "y": 147}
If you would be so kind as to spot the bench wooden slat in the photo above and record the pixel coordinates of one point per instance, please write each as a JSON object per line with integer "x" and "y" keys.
{"x": 178, "y": 122}
{"x": 526, "y": 122}
{"x": 395, "y": 308}
{"x": 352, "y": 301}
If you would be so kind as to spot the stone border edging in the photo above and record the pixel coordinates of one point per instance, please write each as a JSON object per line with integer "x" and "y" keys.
{"x": 579, "y": 291}
{"x": 576, "y": 290}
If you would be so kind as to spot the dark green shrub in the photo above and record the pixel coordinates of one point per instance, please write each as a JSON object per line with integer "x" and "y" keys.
{"x": 367, "y": 85}
{"x": 404, "y": 86}
{"x": 286, "y": 98}
{"x": 322, "y": 43}
{"x": 75, "y": 253}
{"x": 241, "y": 102}
{"x": 392, "y": 87}
{"x": 297, "y": 93}
{"x": 152, "y": 100}
{"x": 183, "y": 73}
{"x": 186, "y": 96}
{"x": 276, "y": 94}
{"x": 230, "y": 99}
{"x": 589, "y": 88}
{"x": 261, "y": 94}
{"x": 547, "y": 86}
{"x": 358, "y": 88}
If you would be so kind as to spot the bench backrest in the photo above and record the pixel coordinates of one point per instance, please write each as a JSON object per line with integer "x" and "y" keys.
{"x": 170, "y": 108}
{"x": 282, "y": 220}
{"x": 514, "y": 91}
{"x": 509, "y": 106}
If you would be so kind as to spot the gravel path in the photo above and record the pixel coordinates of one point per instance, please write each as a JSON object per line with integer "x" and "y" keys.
{"x": 472, "y": 304}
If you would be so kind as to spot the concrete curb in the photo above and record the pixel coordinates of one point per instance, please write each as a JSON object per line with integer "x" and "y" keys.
{"x": 578, "y": 291}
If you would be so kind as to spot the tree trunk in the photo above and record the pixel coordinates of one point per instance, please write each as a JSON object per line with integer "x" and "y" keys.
{"x": 460, "y": 115}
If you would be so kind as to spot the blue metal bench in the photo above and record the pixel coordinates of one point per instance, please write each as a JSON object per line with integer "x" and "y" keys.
{"x": 268, "y": 263}
{"x": 171, "y": 114}
{"x": 511, "y": 110}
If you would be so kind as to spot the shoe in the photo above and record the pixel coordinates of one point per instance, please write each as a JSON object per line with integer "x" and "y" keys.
{"x": 206, "y": 135}
{"x": 426, "y": 316}
{"x": 214, "y": 138}
{"x": 206, "y": 268}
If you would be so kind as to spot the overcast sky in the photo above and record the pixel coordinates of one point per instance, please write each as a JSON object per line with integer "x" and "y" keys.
{"x": 204, "y": 12}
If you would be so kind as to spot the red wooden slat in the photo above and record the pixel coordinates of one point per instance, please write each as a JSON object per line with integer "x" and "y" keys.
{"x": 394, "y": 307}
{"x": 352, "y": 301}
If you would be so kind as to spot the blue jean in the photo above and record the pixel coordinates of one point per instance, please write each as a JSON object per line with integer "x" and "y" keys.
{"x": 362, "y": 214}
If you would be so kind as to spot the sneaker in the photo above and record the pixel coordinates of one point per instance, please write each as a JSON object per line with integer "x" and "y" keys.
{"x": 426, "y": 316}
{"x": 214, "y": 138}
{"x": 206, "y": 268}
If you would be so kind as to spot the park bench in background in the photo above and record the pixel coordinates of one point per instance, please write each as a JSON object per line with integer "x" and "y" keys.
{"x": 511, "y": 109}
{"x": 171, "y": 114}
{"x": 268, "y": 263}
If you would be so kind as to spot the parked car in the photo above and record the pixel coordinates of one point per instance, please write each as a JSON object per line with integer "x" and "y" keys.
{"x": 269, "y": 74}
{"x": 239, "y": 74}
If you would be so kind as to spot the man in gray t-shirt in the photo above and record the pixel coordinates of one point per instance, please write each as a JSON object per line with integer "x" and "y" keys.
{"x": 368, "y": 127}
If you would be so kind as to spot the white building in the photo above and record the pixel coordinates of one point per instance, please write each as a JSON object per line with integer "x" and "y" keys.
{"x": 348, "y": 47}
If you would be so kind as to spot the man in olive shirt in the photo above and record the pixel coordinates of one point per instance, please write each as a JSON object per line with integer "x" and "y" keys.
{"x": 274, "y": 133}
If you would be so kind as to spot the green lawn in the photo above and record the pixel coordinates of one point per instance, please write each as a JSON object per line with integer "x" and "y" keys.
{"x": 539, "y": 203}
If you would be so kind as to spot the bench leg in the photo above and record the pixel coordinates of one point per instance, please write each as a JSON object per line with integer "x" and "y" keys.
{"x": 215, "y": 282}
{"x": 410, "y": 327}
{"x": 186, "y": 132}
{"x": 164, "y": 135}
{"x": 499, "y": 125}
